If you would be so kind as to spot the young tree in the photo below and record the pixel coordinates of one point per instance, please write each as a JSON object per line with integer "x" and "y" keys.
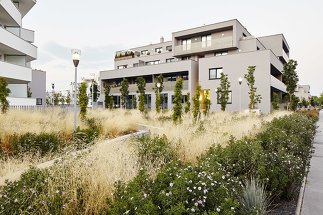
{"x": 207, "y": 105}
{"x": 83, "y": 100}
{"x": 141, "y": 83}
{"x": 254, "y": 97}
{"x": 124, "y": 92}
{"x": 107, "y": 95}
{"x": 29, "y": 93}
{"x": 313, "y": 101}
{"x": 62, "y": 99}
{"x": 4, "y": 93}
{"x": 56, "y": 98}
{"x": 223, "y": 91}
{"x": 159, "y": 87}
{"x": 290, "y": 78}
{"x": 187, "y": 107}
{"x": 111, "y": 103}
{"x": 196, "y": 103}
{"x": 275, "y": 101}
{"x": 177, "y": 109}
{"x": 294, "y": 103}
{"x": 68, "y": 98}
{"x": 95, "y": 91}
{"x": 134, "y": 102}
{"x": 304, "y": 103}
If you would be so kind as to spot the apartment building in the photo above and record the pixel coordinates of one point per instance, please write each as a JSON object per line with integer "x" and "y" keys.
{"x": 16, "y": 49}
{"x": 198, "y": 56}
{"x": 303, "y": 91}
{"x": 38, "y": 86}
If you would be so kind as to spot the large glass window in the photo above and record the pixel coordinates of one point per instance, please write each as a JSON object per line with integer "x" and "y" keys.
{"x": 186, "y": 44}
{"x": 143, "y": 52}
{"x": 158, "y": 50}
{"x": 122, "y": 66}
{"x": 215, "y": 73}
{"x": 169, "y": 48}
{"x": 206, "y": 41}
{"x": 229, "y": 100}
{"x": 169, "y": 60}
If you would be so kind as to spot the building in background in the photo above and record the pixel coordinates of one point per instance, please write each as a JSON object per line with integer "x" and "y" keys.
{"x": 303, "y": 91}
{"x": 16, "y": 50}
{"x": 198, "y": 56}
{"x": 38, "y": 86}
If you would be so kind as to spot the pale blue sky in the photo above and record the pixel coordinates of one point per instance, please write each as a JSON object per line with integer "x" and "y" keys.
{"x": 100, "y": 27}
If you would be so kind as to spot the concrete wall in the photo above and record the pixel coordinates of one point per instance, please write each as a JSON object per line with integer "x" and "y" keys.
{"x": 38, "y": 85}
{"x": 236, "y": 70}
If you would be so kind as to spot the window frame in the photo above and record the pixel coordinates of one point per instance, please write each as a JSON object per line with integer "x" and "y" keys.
{"x": 229, "y": 101}
{"x": 216, "y": 73}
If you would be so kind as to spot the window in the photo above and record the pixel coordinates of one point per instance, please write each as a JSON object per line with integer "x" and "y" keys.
{"x": 220, "y": 53}
{"x": 16, "y": 3}
{"x": 135, "y": 64}
{"x": 186, "y": 44}
{"x": 39, "y": 101}
{"x": 215, "y": 73}
{"x": 258, "y": 48}
{"x": 184, "y": 98}
{"x": 143, "y": 52}
{"x": 169, "y": 60}
{"x": 185, "y": 77}
{"x": 171, "y": 78}
{"x": 206, "y": 41}
{"x": 122, "y": 66}
{"x": 148, "y": 101}
{"x": 186, "y": 58}
{"x": 244, "y": 35}
{"x": 158, "y": 50}
{"x": 152, "y": 62}
{"x": 169, "y": 48}
{"x": 229, "y": 100}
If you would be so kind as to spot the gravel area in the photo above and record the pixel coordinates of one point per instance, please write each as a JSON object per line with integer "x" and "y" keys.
{"x": 285, "y": 208}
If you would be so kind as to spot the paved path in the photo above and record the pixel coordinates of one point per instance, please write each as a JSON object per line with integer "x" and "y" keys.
{"x": 313, "y": 196}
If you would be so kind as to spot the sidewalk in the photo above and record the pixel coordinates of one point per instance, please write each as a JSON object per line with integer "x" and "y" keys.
{"x": 313, "y": 196}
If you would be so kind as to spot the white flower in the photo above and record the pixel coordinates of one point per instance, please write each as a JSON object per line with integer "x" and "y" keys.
{"x": 196, "y": 204}
{"x": 193, "y": 210}
{"x": 218, "y": 209}
{"x": 199, "y": 188}
{"x": 16, "y": 200}
{"x": 127, "y": 212}
{"x": 223, "y": 177}
{"x": 57, "y": 191}
{"x": 232, "y": 208}
{"x": 171, "y": 184}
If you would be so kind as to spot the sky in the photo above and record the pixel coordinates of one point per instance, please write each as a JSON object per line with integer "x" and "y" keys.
{"x": 101, "y": 27}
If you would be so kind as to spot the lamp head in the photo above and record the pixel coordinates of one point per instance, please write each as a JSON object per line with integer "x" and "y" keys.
{"x": 158, "y": 85}
{"x": 76, "y": 56}
{"x": 240, "y": 81}
{"x": 53, "y": 85}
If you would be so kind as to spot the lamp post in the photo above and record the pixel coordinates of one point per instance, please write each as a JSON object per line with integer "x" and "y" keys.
{"x": 53, "y": 87}
{"x": 76, "y": 55}
{"x": 240, "y": 83}
{"x": 158, "y": 86}
{"x": 92, "y": 79}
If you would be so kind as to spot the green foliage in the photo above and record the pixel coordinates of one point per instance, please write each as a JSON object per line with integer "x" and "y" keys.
{"x": 134, "y": 102}
{"x": 295, "y": 103}
{"x": 124, "y": 90}
{"x": 187, "y": 107}
{"x": 126, "y": 54}
{"x": 304, "y": 103}
{"x": 223, "y": 91}
{"x": 254, "y": 97}
{"x": 196, "y": 103}
{"x": 83, "y": 100}
{"x": 275, "y": 101}
{"x": 158, "y": 91}
{"x": 4, "y": 93}
{"x": 313, "y": 101}
{"x": 95, "y": 91}
{"x": 62, "y": 99}
{"x": 108, "y": 98}
{"x": 177, "y": 108}
{"x": 68, "y": 98}
{"x": 207, "y": 105}
{"x": 56, "y": 97}
{"x": 29, "y": 93}
{"x": 141, "y": 84}
{"x": 291, "y": 79}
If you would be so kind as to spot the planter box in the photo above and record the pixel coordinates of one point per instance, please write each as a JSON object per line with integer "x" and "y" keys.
{"x": 123, "y": 58}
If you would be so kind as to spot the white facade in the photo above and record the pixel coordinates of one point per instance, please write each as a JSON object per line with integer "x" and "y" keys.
{"x": 303, "y": 91}
{"x": 16, "y": 49}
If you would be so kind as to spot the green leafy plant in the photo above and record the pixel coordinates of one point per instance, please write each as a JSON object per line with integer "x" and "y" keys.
{"x": 124, "y": 92}
{"x": 254, "y": 97}
{"x": 29, "y": 93}
{"x": 177, "y": 108}
{"x": 83, "y": 100}
{"x": 207, "y": 105}
{"x": 290, "y": 78}
{"x": 4, "y": 93}
{"x": 107, "y": 96}
{"x": 68, "y": 98}
{"x": 158, "y": 91}
{"x": 141, "y": 84}
{"x": 223, "y": 91}
{"x": 187, "y": 107}
{"x": 196, "y": 103}
{"x": 275, "y": 101}
{"x": 94, "y": 84}
{"x": 134, "y": 102}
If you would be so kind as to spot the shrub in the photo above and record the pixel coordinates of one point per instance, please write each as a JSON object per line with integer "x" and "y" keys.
{"x": 314, "y": 114}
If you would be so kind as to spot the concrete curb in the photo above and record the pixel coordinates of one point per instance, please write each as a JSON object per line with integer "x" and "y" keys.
{"x": 16, "y": 175}
{"x": 301, "y": 196}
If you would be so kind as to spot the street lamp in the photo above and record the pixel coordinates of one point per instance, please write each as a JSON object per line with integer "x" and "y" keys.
{"x": 76, "y": 56}
{"x": 240, "y": 83}
{"x": 92, "y": 79}
{"x": 53, "y": 87}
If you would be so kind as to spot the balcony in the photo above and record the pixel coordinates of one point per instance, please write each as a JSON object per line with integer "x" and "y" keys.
{"x": 274, "y": 82}
{"x": 168, "y": 86}
{"x": 11, "y": 71}
{"x": 9, "y": 14}
{"x": 216, "y": 44}
{"x": 27, "y": 35}
{"x": 12, "y": 44}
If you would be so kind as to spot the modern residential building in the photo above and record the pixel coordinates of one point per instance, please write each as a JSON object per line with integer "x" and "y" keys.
{"x": 198, "y": 56}
{"x": 16, "y": 49}
{"x": 38, "y": 86}
{"x": 303, "y": 91}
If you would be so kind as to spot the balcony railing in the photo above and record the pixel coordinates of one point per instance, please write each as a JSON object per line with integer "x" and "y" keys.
{"x": 276, "y": 83}
{"x": 27, "y": 35}
{"x": 215, "y": 44}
